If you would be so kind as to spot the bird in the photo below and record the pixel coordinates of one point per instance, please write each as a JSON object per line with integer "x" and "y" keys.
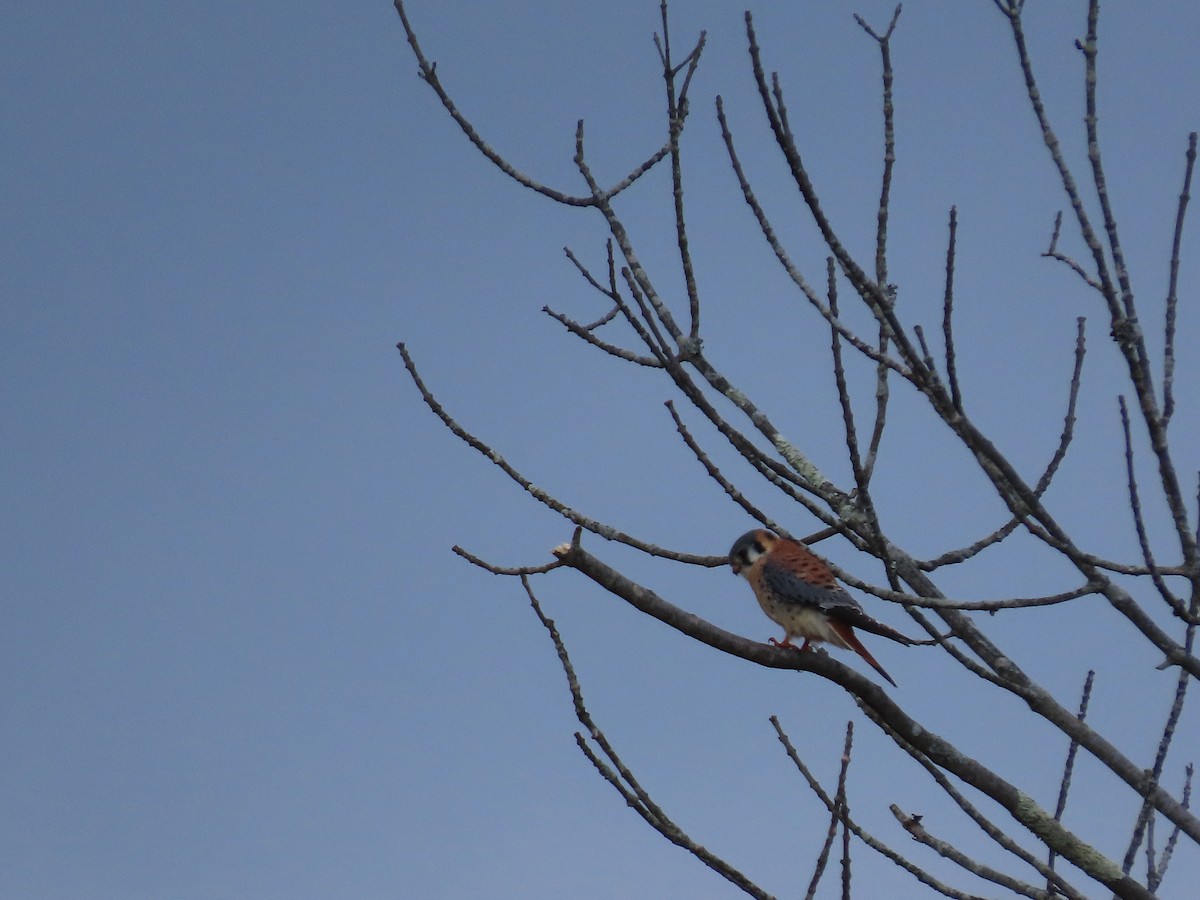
{"x": 798, "y": 590}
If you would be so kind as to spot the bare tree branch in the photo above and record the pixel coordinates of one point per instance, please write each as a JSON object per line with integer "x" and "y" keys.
{"x": 862, "y": 495}
{"x": 879, "y": 356}
{"x": 1071, "y": 263}
{"x": 596, "y": 527}
{"x": 1118, "y": 298}
{"x": 1055, "y": 881}
{"x": 876, "y": 296}
{"x": 582, "y": 331}
{"x": 1146, "y": 815}
{"x": 612, "y": 292}
{"x": 504, "y": 570}
{"x": 882, "y": 396}
{"x": 677, "y": 109}
{"x": 990, "y": 606}
{"x": 942, "y": 752}
{"x": 889, "y": 141}
{"x": 1155, "y": 876}
{"x": 1069, "y": 766}
{"x": 1011, "y": 487}
{"x": 836, "y": 817}
{"x": 900, "y": 348}
{"x": 1173, "y": 286}
{"x": 1139, "y": 523}
{"x": 948, "y": 313}
{"x": 912, "y": 824}
{"x": 715, "y": 474}
{"x": 1043, "y": 483}
{"x": 1091, "y": 120}
{"x": 866, "y": 837}
{"x": 621, "y": 778}
{"x": 429, "y": 76}
{"x": 926, "y": 355}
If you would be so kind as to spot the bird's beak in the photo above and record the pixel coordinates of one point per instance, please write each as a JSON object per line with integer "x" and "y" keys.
{"x": 737, "y": 569}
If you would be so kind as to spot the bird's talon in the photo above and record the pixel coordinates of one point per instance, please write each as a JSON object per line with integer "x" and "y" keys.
{"x": 785, "y": 644}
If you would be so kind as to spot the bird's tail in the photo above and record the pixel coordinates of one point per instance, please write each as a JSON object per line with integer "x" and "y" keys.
{"x": 846, "y": 633}
{"x": 865, "y": 623}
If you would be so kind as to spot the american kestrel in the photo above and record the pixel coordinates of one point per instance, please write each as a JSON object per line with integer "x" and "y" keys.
{"x": 796, "y": 588}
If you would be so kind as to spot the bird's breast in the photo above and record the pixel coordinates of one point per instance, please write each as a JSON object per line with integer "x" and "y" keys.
{"x": 799, "y": 619}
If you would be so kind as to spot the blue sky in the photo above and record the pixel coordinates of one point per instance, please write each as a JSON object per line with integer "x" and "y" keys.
{"x": 238, "y": 658}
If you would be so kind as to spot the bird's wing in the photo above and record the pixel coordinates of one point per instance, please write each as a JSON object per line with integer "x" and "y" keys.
{"x": 860, "y": 619}
{"x": 795, "y": 574}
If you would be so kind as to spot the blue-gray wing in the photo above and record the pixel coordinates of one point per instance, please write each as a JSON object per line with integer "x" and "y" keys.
{"x": 795, "y": 574}
{"x": 806, "y": 586}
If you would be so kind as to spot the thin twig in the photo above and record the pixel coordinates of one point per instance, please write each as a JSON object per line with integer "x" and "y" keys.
{"x": 836, "y": 817}
{"x": 1069, "y": 766}
{"x": 1154, "y": 879}
{"x": 882, "y": 396}
{"x": 1052, "y": 252}
{"x": 1120, "y": 568}
{"x": 582, "y": 332}
{"x": 846, "y": 868}
{"x": 649, "y": 336}
{"x": 889, "y": 141}
{"x": 986, "y": 673}
{"x": 1139, "y": 523}
{"x": 862, "y": 497}
{"x": 544, "y": 497}
{"x": 990, "y": 606}
{"x": 715, "y": 473}
{"x": 948, "y": 313}
{"x": 650, "y": 321}
{"x": 611, "y": 292}
{"x": 1089, "y": 48}
{"x": 926, "y": 356}
{"x": 912, "y": 824}
{"x": 1013, "y": 12}
{"x": 1172, "y": 286}
{"x": 591, "y": 279}
{"x": 1145, "y": 818}
{"x": 677, "y": 109}
{"x": 504, "y": 570}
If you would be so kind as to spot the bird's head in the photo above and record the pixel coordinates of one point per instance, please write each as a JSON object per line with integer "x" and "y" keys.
{"x": 749, "y": 547}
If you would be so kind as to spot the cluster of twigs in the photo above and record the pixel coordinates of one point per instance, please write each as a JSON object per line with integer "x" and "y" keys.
{"x": 897, "y": 351}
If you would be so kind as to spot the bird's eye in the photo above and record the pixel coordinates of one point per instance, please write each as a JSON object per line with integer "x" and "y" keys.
{"x": 748, "y": 554}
